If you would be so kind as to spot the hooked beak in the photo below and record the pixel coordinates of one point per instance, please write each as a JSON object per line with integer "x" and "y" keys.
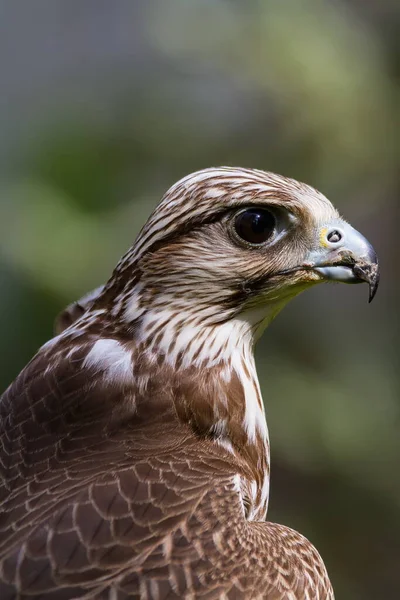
{"x": 345, "y": 255}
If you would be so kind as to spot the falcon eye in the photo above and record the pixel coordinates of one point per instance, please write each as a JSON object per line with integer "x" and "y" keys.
{"x": 255, "y": 225}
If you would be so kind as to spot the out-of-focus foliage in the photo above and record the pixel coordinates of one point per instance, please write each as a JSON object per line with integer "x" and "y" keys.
{"x": 104, "y": 105}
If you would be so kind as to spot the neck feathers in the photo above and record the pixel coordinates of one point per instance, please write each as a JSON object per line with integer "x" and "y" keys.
{"x": 181, "y": 358}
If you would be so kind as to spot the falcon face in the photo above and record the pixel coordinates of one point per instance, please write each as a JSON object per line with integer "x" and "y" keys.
{"x": 134, "y": 447}
{"x": 225, "y": 241}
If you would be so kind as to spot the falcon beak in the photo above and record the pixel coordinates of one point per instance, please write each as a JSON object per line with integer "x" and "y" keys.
{"x": 344, "y": 255}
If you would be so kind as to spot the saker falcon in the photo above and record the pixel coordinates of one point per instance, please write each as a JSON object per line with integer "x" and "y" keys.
{"x": 134, "y": 445}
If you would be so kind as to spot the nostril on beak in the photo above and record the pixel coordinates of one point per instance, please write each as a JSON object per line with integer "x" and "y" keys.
{"x": 334, "y": 236}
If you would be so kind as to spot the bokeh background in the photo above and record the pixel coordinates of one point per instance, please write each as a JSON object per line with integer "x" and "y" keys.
{"x": 103, "y": 105}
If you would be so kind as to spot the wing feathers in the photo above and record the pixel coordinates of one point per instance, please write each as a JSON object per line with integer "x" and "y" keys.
{"x": 95, "y": 507}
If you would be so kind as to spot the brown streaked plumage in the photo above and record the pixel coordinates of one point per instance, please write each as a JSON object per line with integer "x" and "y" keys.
{"x": 134, "y": 452}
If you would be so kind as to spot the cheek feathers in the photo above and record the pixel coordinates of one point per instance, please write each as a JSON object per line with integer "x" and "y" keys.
{"x": 208, "y": 265}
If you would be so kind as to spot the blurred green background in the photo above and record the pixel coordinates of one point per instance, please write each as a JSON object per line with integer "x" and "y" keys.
{"x": 104, "y": 105}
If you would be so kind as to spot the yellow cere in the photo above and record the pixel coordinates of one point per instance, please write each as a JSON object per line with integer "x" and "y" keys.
{"x": 322, "y": 237}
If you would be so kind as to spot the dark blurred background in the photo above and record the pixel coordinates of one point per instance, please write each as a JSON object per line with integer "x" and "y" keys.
{"x": 103, "y": 105}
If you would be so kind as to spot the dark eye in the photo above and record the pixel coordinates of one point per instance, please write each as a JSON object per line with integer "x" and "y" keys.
{"x": 255, "y": 225}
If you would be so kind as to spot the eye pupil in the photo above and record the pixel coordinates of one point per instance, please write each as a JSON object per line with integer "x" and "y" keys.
{"x": 255, "y": 225}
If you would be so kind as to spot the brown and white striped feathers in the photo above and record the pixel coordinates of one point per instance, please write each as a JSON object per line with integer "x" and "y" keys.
{"x": 134, "y": 446}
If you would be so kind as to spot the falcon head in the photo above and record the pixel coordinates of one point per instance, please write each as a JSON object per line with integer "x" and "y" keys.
{"x": 231, "y": 244}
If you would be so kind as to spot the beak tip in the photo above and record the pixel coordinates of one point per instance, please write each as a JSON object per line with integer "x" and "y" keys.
{"x": 373, "y": 286}
{"x": 372, "y": 293}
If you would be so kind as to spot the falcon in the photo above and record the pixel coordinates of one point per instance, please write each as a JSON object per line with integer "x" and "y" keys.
{"x": 134, "y": 450}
